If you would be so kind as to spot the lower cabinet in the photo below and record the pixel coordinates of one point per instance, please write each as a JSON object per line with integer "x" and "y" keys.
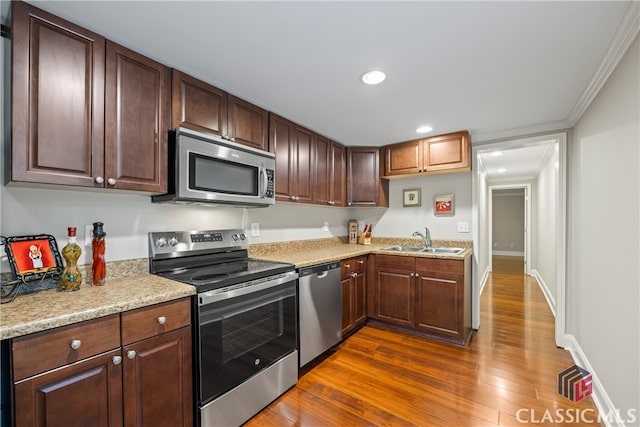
{"x": 427, "y": 295}
{"x": 80, "y": 375}
{"x": 354, "y": 282}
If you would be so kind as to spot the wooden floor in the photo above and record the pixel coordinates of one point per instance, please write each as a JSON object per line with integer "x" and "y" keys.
{"x": 383, "y": 378}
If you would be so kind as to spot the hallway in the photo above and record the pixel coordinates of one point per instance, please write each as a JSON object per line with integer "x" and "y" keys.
{"x": 506, "y": 376}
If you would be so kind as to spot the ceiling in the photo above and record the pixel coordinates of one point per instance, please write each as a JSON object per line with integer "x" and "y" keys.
{"x": 523, "y": 163}
{"x": 493, "y": 68}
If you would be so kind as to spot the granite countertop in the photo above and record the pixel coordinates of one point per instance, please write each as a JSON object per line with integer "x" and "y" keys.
{"x": 51, "y": 308}
{"x": 304, "y": 253}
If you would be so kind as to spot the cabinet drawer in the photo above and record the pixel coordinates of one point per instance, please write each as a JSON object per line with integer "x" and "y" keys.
{"x": 451, "y": 266}
{"x": 157, "y": 319}
{"x": 50, "y": 349}
{"x": 353, "y": 265}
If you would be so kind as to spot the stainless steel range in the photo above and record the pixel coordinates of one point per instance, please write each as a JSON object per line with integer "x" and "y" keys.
{"x": 245, "y": 321}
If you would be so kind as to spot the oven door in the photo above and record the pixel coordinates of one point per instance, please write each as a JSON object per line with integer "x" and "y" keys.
{"x": 244, "y": 334}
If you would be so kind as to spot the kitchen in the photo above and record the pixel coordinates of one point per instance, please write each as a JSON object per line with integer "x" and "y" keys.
{"x": 130, "y": 217}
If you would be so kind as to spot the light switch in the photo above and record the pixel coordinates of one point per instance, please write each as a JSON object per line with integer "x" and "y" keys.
{"x": 88, "y": 235}
{"x": 463, "y": 227}
{"x": 325, "y": 226}
{"x": 255, "y": 229}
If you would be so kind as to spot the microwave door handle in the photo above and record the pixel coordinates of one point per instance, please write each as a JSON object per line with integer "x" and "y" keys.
{"x": 263, "y": 183}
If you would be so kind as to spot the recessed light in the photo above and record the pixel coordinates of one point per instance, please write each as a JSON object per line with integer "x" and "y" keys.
{"x": 501, "y": 170}
{"x": 424, "y": 129}
{"x": 373, "y": 77}
{"x": 496, "y": 153}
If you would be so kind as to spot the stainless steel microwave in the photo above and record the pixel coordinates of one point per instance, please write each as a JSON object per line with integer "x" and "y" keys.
{"x": 206, "y": 169}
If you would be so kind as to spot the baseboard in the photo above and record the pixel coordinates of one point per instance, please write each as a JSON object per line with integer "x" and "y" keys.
{"x": 507, "y": 253}
{"x": 608, "y": 414}
{"x": 545, "y": 291}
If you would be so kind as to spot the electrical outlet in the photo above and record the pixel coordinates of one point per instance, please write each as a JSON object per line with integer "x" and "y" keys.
{"x": 88, "y": 235}
{"x": 463, "y": 227}
{"x": 325, "y": 227}
{"x": 255, "y": 229}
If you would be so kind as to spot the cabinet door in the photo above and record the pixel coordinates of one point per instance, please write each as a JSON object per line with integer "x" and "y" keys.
{"x": 404, "y": 158}
{"x": 338, "y": 176}
{"x": 322, "y": 170}
{"x": 157, "y": 381}
{"x": 359, "y": 298}
{"x": 197, "y": 105}
{"x": 86, "y": 393}
{"x": 136, "y": 118}
{"x": 304, "y": 139}
{"x": 363, "y": 176}
{"x": 450, "y": 151}
{"x": 347, "y": 304}
{"x": 248, "y": 124}
{"x": 439, "y": 304}
{"x": 58, "y": 100}
{"x": 394, "y": 296}
{"x": 281, "y": 143}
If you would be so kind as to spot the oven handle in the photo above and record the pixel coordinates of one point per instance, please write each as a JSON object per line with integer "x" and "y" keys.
{"x": 210, "y": 297}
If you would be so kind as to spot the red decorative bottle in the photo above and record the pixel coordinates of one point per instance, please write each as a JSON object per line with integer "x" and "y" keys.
{"x": 98, "y": 267}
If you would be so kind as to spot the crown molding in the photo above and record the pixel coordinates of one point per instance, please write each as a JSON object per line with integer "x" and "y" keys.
{"x": 623, "y": 38}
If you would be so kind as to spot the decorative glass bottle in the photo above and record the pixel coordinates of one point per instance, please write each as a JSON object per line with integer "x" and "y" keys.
{"x": 98, "y": 267}
{"x": 71, "y": 277}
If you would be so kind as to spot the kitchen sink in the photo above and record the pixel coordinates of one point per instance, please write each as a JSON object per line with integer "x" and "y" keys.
{"x": 443, "y": 251}
{"x": 401, "y": 248}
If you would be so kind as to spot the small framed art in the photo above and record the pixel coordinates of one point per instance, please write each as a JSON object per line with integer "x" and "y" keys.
{"x": 33, "y": 257}
{"x": 444, "y": 204}
{"x": 411, "y": 198}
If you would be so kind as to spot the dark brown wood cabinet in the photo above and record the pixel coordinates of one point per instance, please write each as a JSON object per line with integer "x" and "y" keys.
{"x": 200, "y": 106}
{"x": 58, "y": 100}
{"x": 354, "y": 297}
{"x": 427, "y": 295}
{"x": 292, "y": 145}
{"x": 86, "y": 112}
{"x": 365, "y": 188}
{"x": 136, "y": 121}
{"x": 438, "y": 154}
{"x": 329, "y": 172}
{"x": 79, "y": 375}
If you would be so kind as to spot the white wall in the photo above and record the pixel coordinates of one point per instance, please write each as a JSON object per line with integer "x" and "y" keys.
{"x": 603, "y": 298}
{"x": 398, "y": 221}
{"x": 544, "y": 262}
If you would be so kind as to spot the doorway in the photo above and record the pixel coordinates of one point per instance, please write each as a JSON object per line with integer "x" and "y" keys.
{"x": 510, "y": 222}
{"x": 540, "y": 241}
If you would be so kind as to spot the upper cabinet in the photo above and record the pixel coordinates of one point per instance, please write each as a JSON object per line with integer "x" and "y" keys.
{"x": 329, "y": 172}
{"x": 364, "y": 186}
{"x": 200, "y": 106}
{"x": 437, "y": 154}
{"x": 86, "y": 112}
{"x": 136, "y": 118}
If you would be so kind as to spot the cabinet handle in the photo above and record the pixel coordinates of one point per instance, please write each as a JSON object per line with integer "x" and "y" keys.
{"x": 111, "y": 181}
{"x": 75, "y": 344}
{"x": 117, "y": 360}
{"x": 162, "y": 320}
{"x": 99, "y": 180}
{"x": 131, "y": 354}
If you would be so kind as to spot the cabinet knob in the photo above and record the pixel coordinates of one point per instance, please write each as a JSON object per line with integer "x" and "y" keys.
{"x": 332, "y": 202}
{"x": 162, "y": 320}
{"x": 347, "y": 265}
{"x": 99, "y": 180}
{"x": 360, "y": 262}
{"x": 75, "y": 344}
{"x": 131, "y": 354}
{"x": 349, "y": 204}
{"x": 111, "y": 181}
{"x": 354, "y": 274}
{"x": 117, "y": 360}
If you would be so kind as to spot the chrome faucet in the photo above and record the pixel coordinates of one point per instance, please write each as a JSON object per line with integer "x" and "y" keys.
{"x": 426, "y": 237}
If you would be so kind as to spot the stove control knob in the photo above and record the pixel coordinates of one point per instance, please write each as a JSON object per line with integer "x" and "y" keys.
{"x": 235, "y": 237}
{"x": 161, "y": 242}
{"x": 243, "y": 236}
{"x": 173, "y": 241}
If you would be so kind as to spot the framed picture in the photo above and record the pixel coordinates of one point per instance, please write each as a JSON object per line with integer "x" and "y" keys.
{"x": 32, "y": 257}
{"x": 411, "y": 198}
{"x": 443, "y": 204}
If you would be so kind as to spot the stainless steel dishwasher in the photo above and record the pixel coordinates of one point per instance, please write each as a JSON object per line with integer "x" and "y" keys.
{"x": 320, "y": 294}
